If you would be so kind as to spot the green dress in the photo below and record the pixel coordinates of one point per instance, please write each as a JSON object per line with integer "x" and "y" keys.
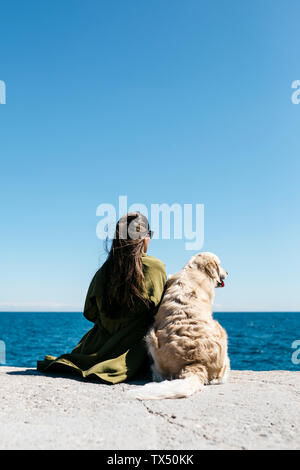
{"x": 114, "y": 349}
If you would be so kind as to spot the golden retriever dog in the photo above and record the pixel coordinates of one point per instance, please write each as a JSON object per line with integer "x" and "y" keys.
{"x": 188, "y": 347}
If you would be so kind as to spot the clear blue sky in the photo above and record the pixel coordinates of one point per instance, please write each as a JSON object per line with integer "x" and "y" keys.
{"x": 162, "y": 101}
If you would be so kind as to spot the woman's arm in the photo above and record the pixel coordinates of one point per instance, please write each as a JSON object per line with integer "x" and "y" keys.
{"x": 90, "y": 310}
{"x": 158, "y": 277}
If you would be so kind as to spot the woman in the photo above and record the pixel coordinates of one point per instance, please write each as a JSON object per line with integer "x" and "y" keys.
{"x": 122, "y": 300}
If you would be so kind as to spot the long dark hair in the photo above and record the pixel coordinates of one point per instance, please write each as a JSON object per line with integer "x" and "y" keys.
{"x": 124, "y": 274}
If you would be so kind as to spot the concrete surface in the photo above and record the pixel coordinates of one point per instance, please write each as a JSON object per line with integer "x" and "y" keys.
{"x": 255, "y": 410}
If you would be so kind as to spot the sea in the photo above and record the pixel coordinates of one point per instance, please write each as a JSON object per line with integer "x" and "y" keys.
{"x": 257, "y": 340}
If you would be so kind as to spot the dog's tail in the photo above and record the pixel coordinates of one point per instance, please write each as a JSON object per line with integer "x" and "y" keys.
{"x": 178, "y": 388}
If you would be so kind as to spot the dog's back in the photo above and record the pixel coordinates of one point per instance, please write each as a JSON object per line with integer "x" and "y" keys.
{"x": 188, "y": 347}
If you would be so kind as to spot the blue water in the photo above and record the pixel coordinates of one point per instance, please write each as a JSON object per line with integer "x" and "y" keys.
{"x": 257, "y": 341}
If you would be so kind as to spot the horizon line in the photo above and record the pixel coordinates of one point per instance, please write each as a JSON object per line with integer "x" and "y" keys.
{"x": 216, "y": 310}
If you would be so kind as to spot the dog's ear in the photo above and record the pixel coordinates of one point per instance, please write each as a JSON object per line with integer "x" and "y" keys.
{"x": 212, "y": 269}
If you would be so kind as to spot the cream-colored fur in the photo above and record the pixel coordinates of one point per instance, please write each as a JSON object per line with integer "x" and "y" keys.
{"x": 188, "y": 347}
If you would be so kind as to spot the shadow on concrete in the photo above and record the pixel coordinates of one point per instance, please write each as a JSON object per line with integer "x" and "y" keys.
{"x": 140, "y": 379}
{"x": 52, "y": 375}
